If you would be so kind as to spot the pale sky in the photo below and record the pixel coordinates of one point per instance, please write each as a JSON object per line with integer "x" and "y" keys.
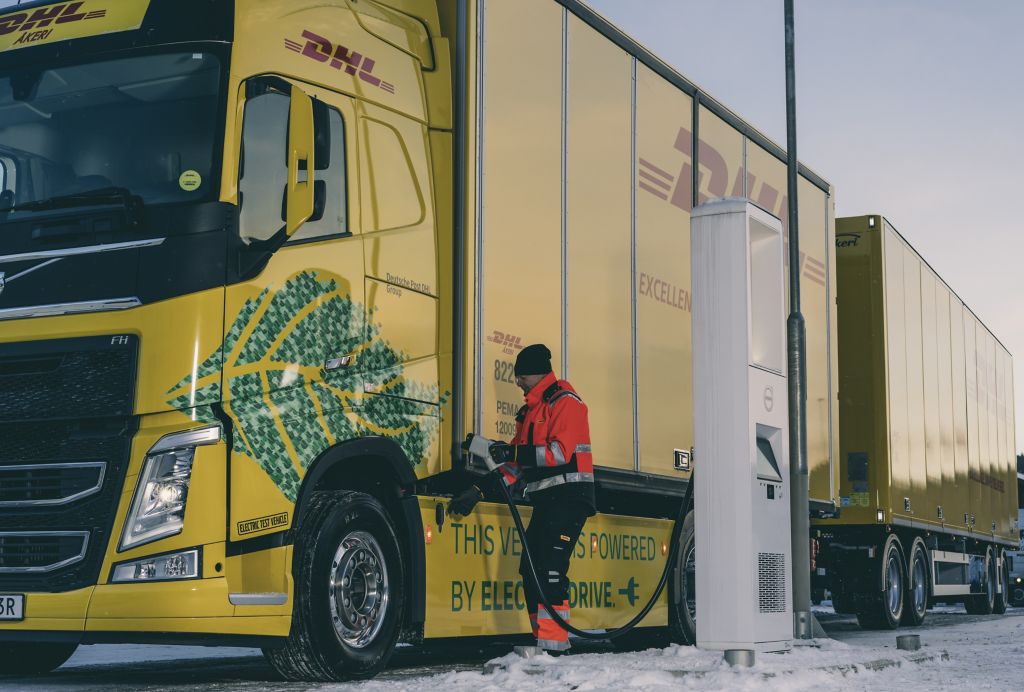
{"x": 911, "y": 108}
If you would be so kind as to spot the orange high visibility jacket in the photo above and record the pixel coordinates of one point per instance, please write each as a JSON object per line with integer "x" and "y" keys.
{"x": 553, "y": 456}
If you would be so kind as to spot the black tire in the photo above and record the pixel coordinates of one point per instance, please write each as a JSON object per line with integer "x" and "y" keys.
{"x": 918, "y": 588}
{"x": 682, "y": 602}
{"x": 884, "y": 609}
{"x": 843, "y": 604}
{"x": 27, "y": 658}
{"x": 1017, "y": 594}
{"x": 985, "y": 602}
{"x": 347, "y": 632}
{"x": 642, "y": 638}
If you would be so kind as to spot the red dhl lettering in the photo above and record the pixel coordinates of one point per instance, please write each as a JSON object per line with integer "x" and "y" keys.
{"x": 339, "y": 57}
{"x": 509, "y": 342}
{"x": 63, "y": 13}
{"x": 676, "y": 190}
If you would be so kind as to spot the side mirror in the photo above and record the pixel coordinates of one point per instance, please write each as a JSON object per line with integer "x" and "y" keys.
{"x": 300, "y": 154}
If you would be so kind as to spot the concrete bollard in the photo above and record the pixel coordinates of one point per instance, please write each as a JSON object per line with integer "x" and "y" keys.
{"x": 908, "y": 642}
{"x": 739, "y": 657}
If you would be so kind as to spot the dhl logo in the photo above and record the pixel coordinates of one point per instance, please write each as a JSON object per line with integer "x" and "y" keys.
{"x": 322, "y": 50}
{"x": 675, "y": 189}
{"x": 36, "y": 24}
{"x": 509, "y": 343}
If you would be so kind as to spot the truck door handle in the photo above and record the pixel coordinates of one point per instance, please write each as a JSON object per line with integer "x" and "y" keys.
{"x": 337, "y": 363}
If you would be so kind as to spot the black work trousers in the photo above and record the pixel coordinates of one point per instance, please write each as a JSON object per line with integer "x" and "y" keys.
{"x": 554, "y": 529}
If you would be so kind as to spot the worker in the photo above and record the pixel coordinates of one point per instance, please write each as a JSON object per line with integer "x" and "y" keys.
{"x": 550, "y": 457}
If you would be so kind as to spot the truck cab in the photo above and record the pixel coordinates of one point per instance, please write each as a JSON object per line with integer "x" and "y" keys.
{"x": 218, "y": 264}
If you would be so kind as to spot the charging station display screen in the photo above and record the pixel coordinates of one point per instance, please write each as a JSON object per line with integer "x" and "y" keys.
{"x": 767, "y": 466}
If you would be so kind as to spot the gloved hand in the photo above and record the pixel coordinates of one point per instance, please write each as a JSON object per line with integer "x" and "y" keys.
{"x": 481, "y": 447}
{"x": 463, "y": 503}
{"x": 502, "y": 452}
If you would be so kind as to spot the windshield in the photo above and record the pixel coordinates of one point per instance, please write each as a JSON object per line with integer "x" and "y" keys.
{"x": 146, "y": 124}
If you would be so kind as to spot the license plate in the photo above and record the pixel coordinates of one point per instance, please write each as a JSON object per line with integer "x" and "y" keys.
{"x": 12, "y": 607}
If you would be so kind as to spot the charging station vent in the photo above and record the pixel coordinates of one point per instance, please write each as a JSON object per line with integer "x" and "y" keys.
{"x": 771, "y": 573}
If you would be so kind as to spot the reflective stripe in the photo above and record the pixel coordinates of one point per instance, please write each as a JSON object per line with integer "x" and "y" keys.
{"x": 583, "y": 449}
{"x": 541, "y": 457}
{"x": 556, "y": 452}
{"x": 542, "y": 613}
{"x": 582, "y": 477}
{"x": 509, "y": 474}
{"x": 553, "y": 645}
{"x": 561, "y": 395}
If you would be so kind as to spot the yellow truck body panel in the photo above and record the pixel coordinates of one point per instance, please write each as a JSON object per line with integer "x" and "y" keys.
{"x": 585, "y": 187}
{"x": 926, "y": 396}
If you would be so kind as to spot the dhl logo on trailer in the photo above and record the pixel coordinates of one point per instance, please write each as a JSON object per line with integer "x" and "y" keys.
{"x": 66, "y": 20}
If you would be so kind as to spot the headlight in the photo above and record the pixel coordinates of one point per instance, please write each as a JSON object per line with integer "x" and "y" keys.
{"x": 182, "y": 565}
{"x": 158, "y": 507}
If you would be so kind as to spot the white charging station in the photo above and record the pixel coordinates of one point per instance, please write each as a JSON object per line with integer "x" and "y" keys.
{"x": 744, "y": 601}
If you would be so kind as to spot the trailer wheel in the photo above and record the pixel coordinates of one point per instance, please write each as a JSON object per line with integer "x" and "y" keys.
{"x": 885, "y": 607}
{"x": 682, "y": 608}
{"x": 918, "y": 569}
{"x": 985, "y": 602}
{"x": 349, "y": 596}
{"x": 28, "y": 658}
{"x": 1002, "y": 600}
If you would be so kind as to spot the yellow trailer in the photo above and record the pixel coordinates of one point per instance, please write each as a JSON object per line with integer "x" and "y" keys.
{"x": 927, "y": 473}
{"x": 264, "y": 263}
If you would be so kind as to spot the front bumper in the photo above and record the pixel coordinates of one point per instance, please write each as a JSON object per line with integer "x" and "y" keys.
{"x": 188, "y": 611}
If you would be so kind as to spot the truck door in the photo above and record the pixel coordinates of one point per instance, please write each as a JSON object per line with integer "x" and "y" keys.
{"x": 295, "y": 327}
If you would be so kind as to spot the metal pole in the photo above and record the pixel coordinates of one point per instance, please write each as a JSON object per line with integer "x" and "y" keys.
{"x": 461, "y": 100}
{"x": 798, "y": 502}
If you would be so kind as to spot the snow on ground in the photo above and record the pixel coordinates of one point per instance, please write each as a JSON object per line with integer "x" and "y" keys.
{"x": 984, "y": 652}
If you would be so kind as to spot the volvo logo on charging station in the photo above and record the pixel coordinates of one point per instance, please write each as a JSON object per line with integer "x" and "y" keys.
{"x": 769, "y": 398}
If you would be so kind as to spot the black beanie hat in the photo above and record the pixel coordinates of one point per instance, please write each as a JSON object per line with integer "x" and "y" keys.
{"x": 533, "y": 360}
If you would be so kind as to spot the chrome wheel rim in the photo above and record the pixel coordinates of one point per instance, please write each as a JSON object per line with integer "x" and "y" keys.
{"x": 358, "y": 589}
{"x": 919, "y": 585}
{"x": 1004, "y": 580}
{"x": 892, "y": 586}
{"x": 990, "y": 582}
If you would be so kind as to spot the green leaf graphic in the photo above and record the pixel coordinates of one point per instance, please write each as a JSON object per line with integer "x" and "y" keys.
{"x": 288, "y": 410}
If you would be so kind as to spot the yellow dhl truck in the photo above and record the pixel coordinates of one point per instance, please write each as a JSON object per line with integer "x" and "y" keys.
{"x": 264, "y": 263}
{"x": 927, "y": 473}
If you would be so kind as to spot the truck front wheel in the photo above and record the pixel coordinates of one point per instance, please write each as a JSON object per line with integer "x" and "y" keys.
{"x": 27, "y": 658}
{"x": 885, "y": 608}
{"x": 348, "y": 603}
